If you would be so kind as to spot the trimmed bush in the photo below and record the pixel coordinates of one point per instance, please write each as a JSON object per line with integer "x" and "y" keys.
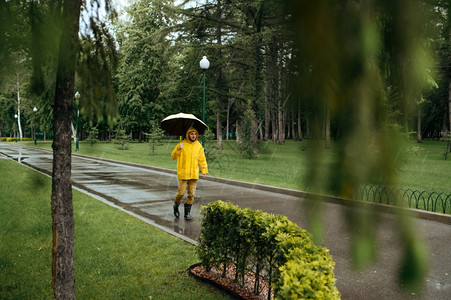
{"x": 13, "y": 139}
{"x": 267, "y": 245}
{"x": 307, "y": 274}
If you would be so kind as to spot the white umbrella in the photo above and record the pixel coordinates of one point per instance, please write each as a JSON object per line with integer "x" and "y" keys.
{"x": 179, "y": 123}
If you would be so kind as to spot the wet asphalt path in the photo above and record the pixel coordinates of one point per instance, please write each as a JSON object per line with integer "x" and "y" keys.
{"x": 147, "y": 193}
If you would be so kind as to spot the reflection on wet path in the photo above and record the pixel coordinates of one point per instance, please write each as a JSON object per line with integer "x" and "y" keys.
{"x": 145, "y": 191}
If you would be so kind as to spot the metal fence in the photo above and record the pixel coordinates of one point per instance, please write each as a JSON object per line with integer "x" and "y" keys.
{"x": 430, "y": 201}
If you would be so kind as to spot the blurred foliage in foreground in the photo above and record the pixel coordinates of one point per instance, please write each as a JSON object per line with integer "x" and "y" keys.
{"x": 365, "y": 60}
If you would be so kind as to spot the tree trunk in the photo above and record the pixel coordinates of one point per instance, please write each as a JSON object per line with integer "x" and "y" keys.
{"x": 74, "y": 134}
{"x": 269, "y": 90}
{"x": 275, "y": 133}
{"x": 62, "y": 210}
{"x": 219, "y": 145}
{"x": 260, "y": 130}
{"x": 449, "y": 99}
{"x": 299, "y": 121}
{"x": 219, "y": 79}
{"x": 267, "y": 107}
{"x": 229, "y": 106}
{"x": 279, "y": 102}
{"x": 18, "y": 109}
{"x": 449, "y": 69}
{"x": 281, "y": 137}
{"x": 288, "y": 129}
{"x": 327, "y": 125}
{"x": 406, "y": 124}
{"x": 254, "y": 132}
{"x": 419, "y": 139}
{"x": 257, "y": 78}
{"x": 238, "y": 132}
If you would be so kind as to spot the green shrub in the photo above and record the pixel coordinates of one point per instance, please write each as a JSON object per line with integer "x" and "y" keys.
{"x": 307, "y": 276}
{"x": 210, "y": 146}
{"x": 121, "y": 139}
{"x": 155, "y": 136}
{"x": 247, "y": 148}
{"x": 13, "y": 139}
{"x": 92, "y": 137}
{"x": 267, "y": 245}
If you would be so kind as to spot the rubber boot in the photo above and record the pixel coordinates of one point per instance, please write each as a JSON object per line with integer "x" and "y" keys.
{"x": 187, "y": 212}
{"x": 176, "y": 209}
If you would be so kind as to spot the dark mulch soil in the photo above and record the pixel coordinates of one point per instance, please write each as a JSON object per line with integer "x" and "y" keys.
{"x": 214, "y": 276}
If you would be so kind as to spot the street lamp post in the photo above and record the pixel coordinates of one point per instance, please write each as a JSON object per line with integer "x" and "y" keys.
{"x": 77, "y": 96}
{"x": 34, "y": 125}
{"x": 204, "y": 65}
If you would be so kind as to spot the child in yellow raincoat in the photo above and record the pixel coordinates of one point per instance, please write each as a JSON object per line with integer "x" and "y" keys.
{"x": 190, "y": 155}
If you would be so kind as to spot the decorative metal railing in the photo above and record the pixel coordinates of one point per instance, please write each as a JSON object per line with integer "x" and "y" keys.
{"x": 430, "y": 201}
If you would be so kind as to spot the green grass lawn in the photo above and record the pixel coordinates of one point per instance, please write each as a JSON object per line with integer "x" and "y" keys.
{"x": 421, "y": 167}
{"x": 117, "y": 256}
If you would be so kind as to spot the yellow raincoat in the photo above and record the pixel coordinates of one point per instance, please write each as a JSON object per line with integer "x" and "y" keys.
{"x": 190, "y": 158}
